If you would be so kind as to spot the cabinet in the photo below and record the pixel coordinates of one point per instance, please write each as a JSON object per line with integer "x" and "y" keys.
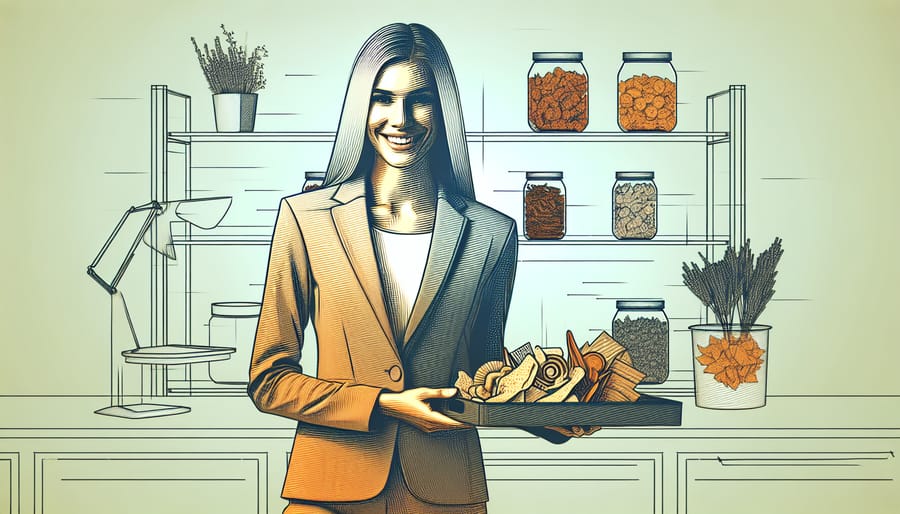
{"x": 702, "y": 207}
{"x": 810, "y": 455}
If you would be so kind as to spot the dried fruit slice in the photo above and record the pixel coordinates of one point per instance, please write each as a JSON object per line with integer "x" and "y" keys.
{"x": 516, "y": 380}
{"x": 484, "y": 369}
{"x": 560, "y": 395}
{"x": 575, "y": 358}
{"x": 463, "y": 383}
{"x": 490, "y": 381}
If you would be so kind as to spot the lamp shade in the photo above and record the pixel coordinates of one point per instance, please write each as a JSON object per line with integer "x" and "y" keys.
{"x": 205, "y": 213}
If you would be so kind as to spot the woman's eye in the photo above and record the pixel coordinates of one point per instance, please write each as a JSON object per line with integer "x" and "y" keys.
{"x": 380, "y": 98}
{"x": 422, "y": 99}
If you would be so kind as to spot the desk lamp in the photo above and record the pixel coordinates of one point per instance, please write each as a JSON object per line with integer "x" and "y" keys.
{"x": 205, "y": 213}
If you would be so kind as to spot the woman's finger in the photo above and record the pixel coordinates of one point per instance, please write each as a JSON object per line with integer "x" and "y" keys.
{"x": 426, "y": 393}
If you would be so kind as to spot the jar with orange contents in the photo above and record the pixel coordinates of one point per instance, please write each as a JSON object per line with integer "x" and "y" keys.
{"x": 557, "y": 92}
{"x": 647, "y": 92}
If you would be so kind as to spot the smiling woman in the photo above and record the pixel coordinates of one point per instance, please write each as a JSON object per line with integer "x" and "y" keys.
{"x": 407, "y": 280}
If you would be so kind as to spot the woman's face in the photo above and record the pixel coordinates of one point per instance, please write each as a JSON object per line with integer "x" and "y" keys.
{"x": 402, "y": 114}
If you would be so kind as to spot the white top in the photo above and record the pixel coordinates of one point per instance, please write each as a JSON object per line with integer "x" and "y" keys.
{"x": 401, "y": 261}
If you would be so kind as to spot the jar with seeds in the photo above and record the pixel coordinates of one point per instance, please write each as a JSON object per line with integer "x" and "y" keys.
{"x": 642, "y": 327}
{"x": 634, "y": 202}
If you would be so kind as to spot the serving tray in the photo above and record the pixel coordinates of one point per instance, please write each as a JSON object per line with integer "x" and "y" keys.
{"x": 646, "y": 411}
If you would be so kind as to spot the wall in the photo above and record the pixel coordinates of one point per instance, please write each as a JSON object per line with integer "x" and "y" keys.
{"x": 822, "y": 111}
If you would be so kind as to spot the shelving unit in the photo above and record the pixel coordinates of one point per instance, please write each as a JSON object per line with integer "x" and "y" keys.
{"x": 172, "y": 134}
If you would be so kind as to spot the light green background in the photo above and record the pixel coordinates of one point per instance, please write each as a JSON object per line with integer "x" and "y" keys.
{"x": 823, "y": 105}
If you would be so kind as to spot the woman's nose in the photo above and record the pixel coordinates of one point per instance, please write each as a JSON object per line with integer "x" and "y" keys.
{"x": 397, "y": 116}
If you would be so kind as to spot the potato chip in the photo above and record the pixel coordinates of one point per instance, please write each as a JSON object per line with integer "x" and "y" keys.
{"x": 732, "y": 360}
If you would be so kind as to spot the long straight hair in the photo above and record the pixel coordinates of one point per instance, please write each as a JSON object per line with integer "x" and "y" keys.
{"x": 353, "y": 155}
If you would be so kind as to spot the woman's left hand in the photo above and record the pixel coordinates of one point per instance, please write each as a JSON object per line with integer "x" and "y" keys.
{"x": 575, "y": 430}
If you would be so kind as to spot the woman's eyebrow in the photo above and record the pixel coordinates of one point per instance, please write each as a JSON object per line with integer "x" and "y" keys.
{"x": 418, "y": 91}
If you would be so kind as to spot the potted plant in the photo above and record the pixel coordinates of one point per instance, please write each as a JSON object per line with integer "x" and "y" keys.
{"x": 730, "y": 359}
{"x": 234, "y": 77}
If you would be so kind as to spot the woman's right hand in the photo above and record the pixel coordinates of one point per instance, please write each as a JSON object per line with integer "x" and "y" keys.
{"x": 411, "y": 406}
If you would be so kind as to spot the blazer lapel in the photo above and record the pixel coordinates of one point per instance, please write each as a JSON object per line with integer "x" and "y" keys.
{"x": 352, "y": 223}
{"x": 446, "y": 242}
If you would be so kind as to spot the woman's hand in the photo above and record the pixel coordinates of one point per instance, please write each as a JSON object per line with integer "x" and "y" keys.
{"x": 574, "y": 431}
{"x": 410, "y": 406}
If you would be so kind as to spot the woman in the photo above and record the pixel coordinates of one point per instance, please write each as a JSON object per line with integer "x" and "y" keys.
{"x": 407, "y": 280}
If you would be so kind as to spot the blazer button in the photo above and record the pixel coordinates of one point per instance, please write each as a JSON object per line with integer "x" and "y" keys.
{"x": 395, "y": 373}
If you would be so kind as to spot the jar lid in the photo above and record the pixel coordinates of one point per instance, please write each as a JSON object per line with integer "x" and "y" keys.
{"x": 655, "y": 305}
{"x": 556, "y": 56}
{"x": 647, "y": 56}
{"x": 315, "y": 175}
{"x": 546, "y": 175}
{"x": 236, "y": 309}
{"x": 634, "y": 175}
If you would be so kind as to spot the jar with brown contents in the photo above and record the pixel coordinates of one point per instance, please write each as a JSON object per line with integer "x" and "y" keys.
{"x": 557, "y": 92}
{"x": 314, "y": 180}
{"x": 647, "y": 92}
{"x": 544, "y": 205}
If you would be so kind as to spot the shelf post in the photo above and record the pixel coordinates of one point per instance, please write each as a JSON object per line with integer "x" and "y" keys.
{"x": 159, "y": 129}
{"x": 737, "y": 159}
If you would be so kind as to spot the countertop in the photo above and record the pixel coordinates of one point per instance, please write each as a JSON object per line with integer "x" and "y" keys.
{"x": 73, "y": 416}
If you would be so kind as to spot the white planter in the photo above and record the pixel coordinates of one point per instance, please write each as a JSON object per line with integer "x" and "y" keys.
{"x": 234, "y": 112}
{"x": 744, "y": 387}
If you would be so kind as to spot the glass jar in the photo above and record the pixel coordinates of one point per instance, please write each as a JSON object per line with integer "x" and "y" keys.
{"x": 641, "y": 326}
{"x": 634, "y": 201}
{"x": 557, "y": 92}
{"x": 233, "y": 324}
{"x": 544, "y": 204}
{"x": 314, "y": 180}
{"x": 647, "y": 99}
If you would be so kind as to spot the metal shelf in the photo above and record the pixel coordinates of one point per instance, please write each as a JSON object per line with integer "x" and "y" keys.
{"x": 604, "y": 240}
{"x": 608, "y": 240}
{"x": 473, "y": 137}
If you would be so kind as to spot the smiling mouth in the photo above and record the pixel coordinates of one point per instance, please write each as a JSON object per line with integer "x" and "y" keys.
{"x": 399, "y": 142}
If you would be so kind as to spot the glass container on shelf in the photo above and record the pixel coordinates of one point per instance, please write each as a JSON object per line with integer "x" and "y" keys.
{"x": 233, "y": 324}
{"x": 557, "y": 92}
{"x": 314, "y": 180}
{"x": 642, "y": 327}
{"x": 647, "y": 92}
{"x": 634, "y": 203}
{"x": 544, "y": 204}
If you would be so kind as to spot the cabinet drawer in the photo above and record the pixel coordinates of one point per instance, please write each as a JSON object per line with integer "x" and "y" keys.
{"x": 150, "y": 483}
{"x": 789, "y": 482}
{"x": 9, "y": 483}
{"x": 611, "y": 482}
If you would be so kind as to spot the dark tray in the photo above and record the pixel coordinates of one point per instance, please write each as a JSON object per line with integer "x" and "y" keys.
{"x": 646, "y": 411}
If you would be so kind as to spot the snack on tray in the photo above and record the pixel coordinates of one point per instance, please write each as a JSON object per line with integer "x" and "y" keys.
{"x": 599, "y": 371}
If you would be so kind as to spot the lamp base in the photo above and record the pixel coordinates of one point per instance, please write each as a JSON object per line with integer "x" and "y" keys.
{"x": 142, "y": 410}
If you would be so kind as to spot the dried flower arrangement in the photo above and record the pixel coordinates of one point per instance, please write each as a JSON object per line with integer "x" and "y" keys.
{"x": 736, "y": 282}
{"x": 234, "y": 70}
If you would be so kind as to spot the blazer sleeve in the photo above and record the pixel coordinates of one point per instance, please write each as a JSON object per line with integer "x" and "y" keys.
{"x": 277, "y": 382}
{"x": 493, "y": 310}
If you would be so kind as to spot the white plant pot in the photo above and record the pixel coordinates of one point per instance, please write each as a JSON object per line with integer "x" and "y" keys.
{"x": 234, "y": 112}
{"x": 736, "y": 389}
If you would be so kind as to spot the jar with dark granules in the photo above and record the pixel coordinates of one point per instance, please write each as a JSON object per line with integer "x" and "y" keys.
{"x": 642, "y": 327}
{"x": 544, "y": 205}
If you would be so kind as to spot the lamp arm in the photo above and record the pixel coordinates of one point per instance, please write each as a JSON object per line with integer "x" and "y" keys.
{"x": 111, "y": 286}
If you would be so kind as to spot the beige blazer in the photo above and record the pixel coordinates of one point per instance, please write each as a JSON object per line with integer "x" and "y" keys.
{"x": 322, "y": 267}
